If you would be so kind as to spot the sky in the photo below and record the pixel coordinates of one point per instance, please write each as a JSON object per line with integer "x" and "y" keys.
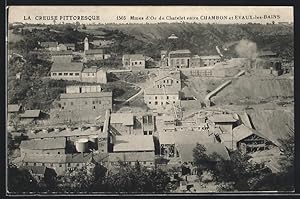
{"x": 155, "y": 14}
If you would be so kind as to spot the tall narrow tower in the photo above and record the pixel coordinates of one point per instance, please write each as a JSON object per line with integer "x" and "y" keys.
{"x": 86, "y": 43}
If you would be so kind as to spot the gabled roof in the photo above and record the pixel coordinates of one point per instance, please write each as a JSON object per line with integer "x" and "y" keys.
{"x": 49, "y": 44}
{"x": 12, "y": 108}
{"x": 61, "y": 52}
{"x": 134, "y": 56}
{"x": 131, "y": 143}
{"x": 222, "y": 118}
{"x": 94, "y": 51}
{"x": 241, "y": 132}
{"x": 123, "y": 118}
{"x": 165, "y": 74}
{"x": 38, "y": 170}
{"x": 215, "y": 151}
{"x": 85, "y": 95}
{"x": 160, "y": 91}
{"x": 180, "y": 51}
{"x": 44, "y": 144}
{"x": 210, "y": 57}
{"x": 90, "y": 70}
{"x": 31, "y": 114}
{"x": 66, "y": 67}
{"x": 42, "y": 158}
{"x": 86, "y": 157}
{"x": 132, "y": 157}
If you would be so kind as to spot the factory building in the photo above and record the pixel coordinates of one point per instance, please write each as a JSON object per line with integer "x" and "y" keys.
{"x": 179, "y": 58}
{"x": 210, "y": 60}
{"x": 93, "y": 74}
{"x": 157, "y": 98}
{"x": 66, "y": 71}
{"x": 122, "y": 123}
{"x": 134, "y": 61}
{"x": 167, "y": 79}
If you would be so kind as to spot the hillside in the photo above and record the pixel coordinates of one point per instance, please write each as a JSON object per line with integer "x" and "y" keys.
{"x": 202, "y": 38}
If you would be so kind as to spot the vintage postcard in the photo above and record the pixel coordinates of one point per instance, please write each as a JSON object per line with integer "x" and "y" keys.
{"x": 150, "y": 99}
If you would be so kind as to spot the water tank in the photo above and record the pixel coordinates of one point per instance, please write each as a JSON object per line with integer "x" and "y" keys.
{"x": 82, "y": 145}
{"x": 56, "y": 130}
{"x": 94, "y": 141}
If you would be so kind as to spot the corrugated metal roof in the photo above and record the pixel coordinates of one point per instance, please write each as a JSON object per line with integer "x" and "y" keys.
{"x": 133, "y": 143}
{"x": 44, "y": 144}
{"x": 132, "y": 156}
{"x": 31, "y": 114}
{"x": 66, "y": 67}
{"x": 123, "y": 118}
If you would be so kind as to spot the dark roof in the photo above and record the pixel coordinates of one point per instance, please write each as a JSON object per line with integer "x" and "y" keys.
{"x": 241, "y": 132}
{"x": 49, "y": 44}
{"x": 12, "y": 108}
{"x": 186, "y": 151}
{"x": 84, "y": 95}
{"x": 66, "y": 67}
{"x": 44, "y": 144}
{"x": 69, "y": 45}
{"x": 61, "y": 52}
{"x": 39, "y": 170}
{"x": 31, "y": 114}
{"x": 132, "y": 157}
{"x": 94, "y": 51}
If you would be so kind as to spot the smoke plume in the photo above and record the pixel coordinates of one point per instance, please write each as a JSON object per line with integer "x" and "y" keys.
{"x": 246, "y": 49}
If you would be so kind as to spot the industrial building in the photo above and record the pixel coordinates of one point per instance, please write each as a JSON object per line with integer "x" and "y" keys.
{"x": 179, "y": 58}
{"x": 134, "y": 61}
{"x": 167, "y": 79}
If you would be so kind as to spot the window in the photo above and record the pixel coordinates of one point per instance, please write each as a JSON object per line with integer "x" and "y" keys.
{"x": 76, "y": 74}
{"x": 34, "y": 164}
{"x": 64, "y": 103}
{"x": 145, "y": 162}
{"x": 54, "y": 74}
{"x": 150, "y": 132}
{"x": 69, "y": 164}
{"x": 58, "y": 152}
{"x": 149, "y": 102}
{"x": 155, "y": 97}
{"x": 51, "y": 164}
{"x": 135, "y": 63}
{"x": 71, "y": 74}
{"x": 65, "y": 74}
{"x": 72, "y": 104}
{"x": 60, "y": 165}
{"x": 94, "y": 107}
{"x": 26, "y": 163}
{"x": 155, "y": 102}
{"x": 145, "y": 132}
{"x": 77, "y": 164}
{"x": 167, "y": 97}
{"x": 93, "y": 102}
{"x": 164, "y": 81}
{"x": 177, "y": 82}
{"x": 173, "y": 102}
{"x": 93, "y": 74}
{"x": 162, "y": 103}
{"x": 140, "y": 62}
{"x": 59, "y": 74}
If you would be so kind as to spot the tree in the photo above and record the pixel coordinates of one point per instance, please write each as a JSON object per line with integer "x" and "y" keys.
{"x": 20, "y": 181}
{"x": 200, "y": 158}
{"x": 15, "y": 121}
{"x": 128, "y": 178}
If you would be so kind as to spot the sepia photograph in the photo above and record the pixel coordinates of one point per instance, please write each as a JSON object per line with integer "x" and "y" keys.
{"x": 109, "y": 100}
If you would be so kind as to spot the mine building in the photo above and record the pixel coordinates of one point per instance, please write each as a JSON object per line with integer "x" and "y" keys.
{"x": 61, "y": 56}
{"x": 134, "y": 61}
{"x": 226, "y": 122}
{"x": 167, "y": 79}
{"x": 210, "y": 60}
{"x": 93, "y": 74}
{"x": 179, "y": 58}
{"x": 123, "y": 123}
{"x": 66, "y": 71}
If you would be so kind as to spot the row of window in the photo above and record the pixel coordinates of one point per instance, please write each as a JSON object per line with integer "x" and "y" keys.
{"x": 161, "y": 103}
{"x": 132, "y": 163}
{"x": 51, "y": 164}
{"x": 178, "y": 61}
{"x": 86, "y": 102}
{"x": 65, "y": 74}
{"x": 162, "y": 97}
{"x": 148, "y": 132}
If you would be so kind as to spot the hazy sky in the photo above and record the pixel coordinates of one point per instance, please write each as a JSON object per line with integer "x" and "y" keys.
{"x": 198, "y": 14}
